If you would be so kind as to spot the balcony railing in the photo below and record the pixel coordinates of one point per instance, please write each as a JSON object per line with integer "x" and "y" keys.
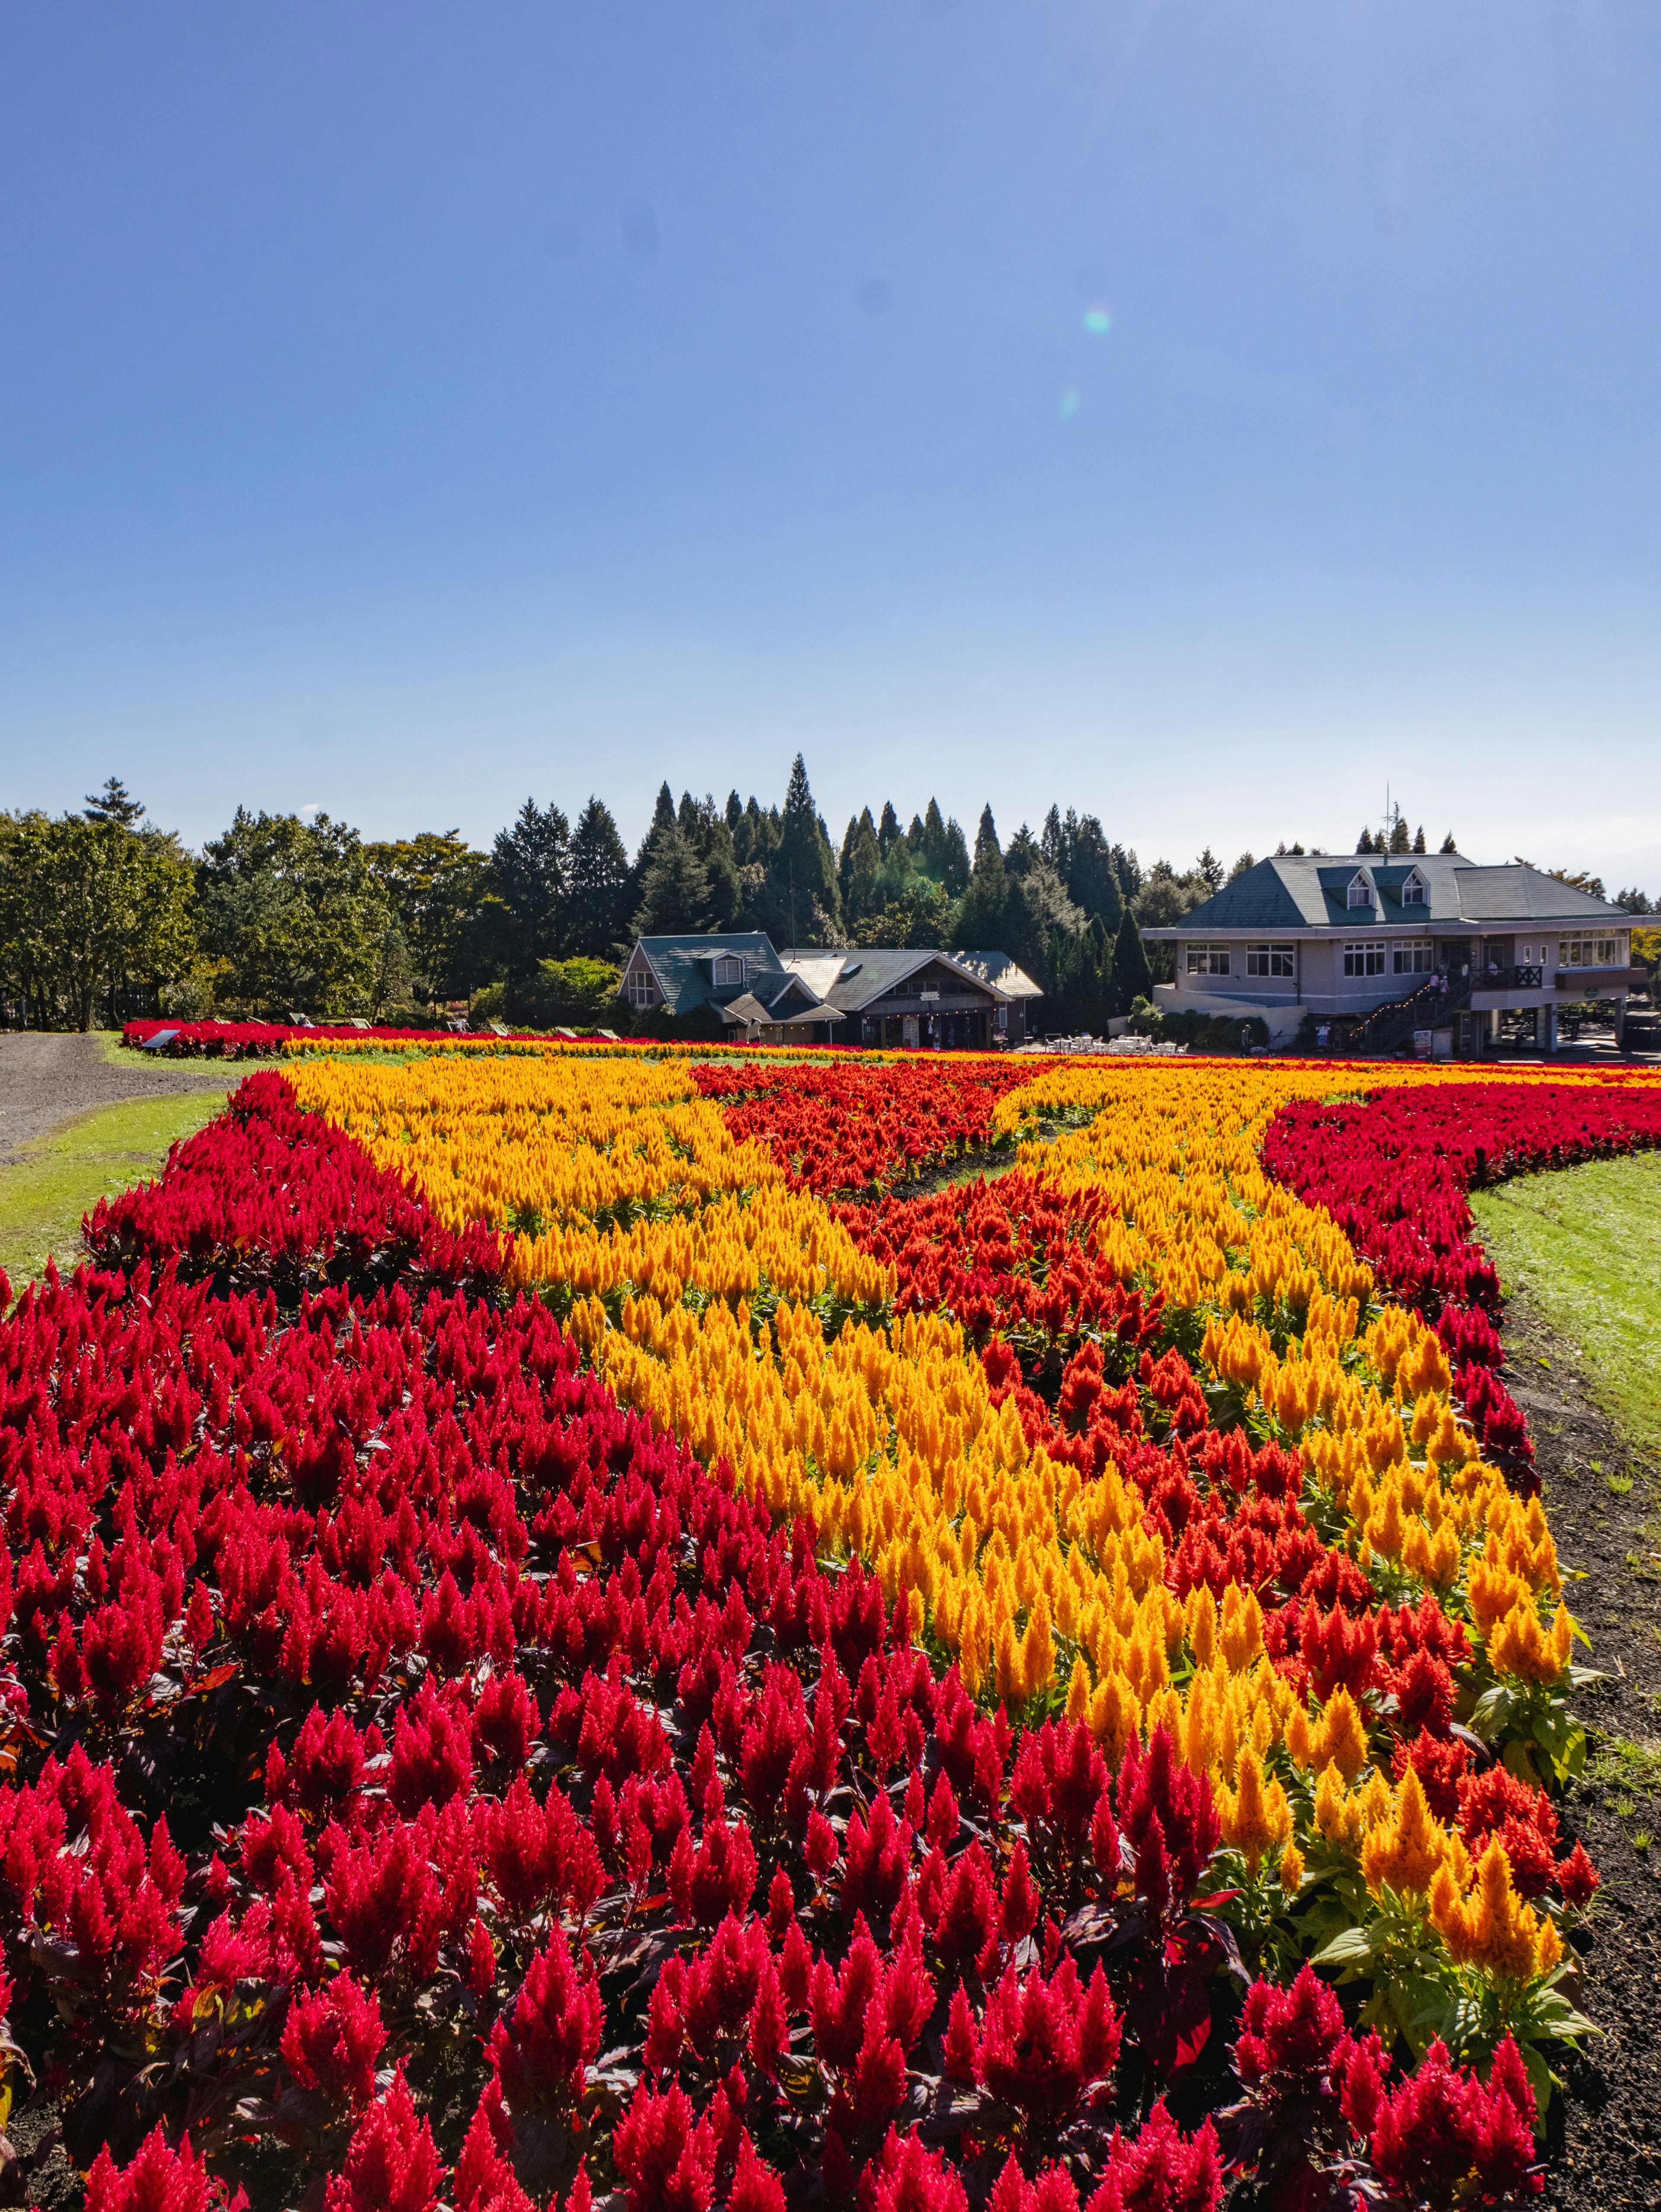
{"x": 1522, "y": 978}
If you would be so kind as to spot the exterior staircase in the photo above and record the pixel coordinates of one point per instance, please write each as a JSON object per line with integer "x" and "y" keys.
{"x": 1430, "y": 1006}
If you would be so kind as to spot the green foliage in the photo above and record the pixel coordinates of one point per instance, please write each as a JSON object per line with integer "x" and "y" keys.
{"x": 920, "y": 920}
{"x": 90, "y": 912}
{"x": 434, "y": 884}
{"x": 1132, "y": 978}
{"x": 576, "y": 993}
{"x": 526, "y": 886}
{"x": 295, "y": 914}
{"x": 598, "y": 883}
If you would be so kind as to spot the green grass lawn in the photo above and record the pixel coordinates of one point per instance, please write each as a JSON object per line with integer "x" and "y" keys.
{"x": 1584, "y": 1244}
{"x": 44, "y": 1193}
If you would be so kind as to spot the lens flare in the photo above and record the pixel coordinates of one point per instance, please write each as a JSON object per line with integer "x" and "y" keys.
{"x": 1098, "y": 320}
{"x": 1069, "y": 406}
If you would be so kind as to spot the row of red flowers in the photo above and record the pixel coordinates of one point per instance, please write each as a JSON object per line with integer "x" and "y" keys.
{"x": 862, "y": 1126}
{"x": 1393, "y": 1172}
{"x": 420, "y": 1765}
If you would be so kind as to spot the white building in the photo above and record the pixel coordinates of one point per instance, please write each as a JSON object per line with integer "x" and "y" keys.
{"x": 1386, "y": 945}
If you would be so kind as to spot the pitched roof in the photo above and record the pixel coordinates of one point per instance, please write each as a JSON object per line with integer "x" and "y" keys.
{"x": 866, "y": 971}
{"x": 674, "y": 962}
{"x": 1310, "y": 890}
{"x": 998, "y": 970}
{"x": 787, "y": 1009}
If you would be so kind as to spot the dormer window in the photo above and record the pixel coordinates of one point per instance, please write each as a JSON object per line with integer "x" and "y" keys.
{"x": 1412, "y": 892}
{"x": 728, "y": 970}
{"x": 1360, "y": 891}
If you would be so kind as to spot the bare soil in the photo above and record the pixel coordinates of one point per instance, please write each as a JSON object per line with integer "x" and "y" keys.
{"x": 1601, "y": 1494}
{"x": 47, "y": 1077}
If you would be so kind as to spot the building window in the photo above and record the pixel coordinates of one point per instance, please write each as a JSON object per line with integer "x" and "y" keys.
{"x": 1003, "y": 1017}
{"x": 1271, "y": 960}
{"x": 1413, "y": 960}
{"x": 1412, "y": 892}
{"x": 1589, "y": 952}
{"x": 1207, "y": 959}
{"x": 1360, "y": 891}
{"x": 1365, "y": 959}
{"x": 729, "y": 968}
{"x": 640, "y": 992}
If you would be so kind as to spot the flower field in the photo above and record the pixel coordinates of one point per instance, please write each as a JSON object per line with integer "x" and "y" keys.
{"x": 571, "y": 1633}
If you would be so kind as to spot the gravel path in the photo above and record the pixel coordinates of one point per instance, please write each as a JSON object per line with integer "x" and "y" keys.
{"x": 46, "y": 1078}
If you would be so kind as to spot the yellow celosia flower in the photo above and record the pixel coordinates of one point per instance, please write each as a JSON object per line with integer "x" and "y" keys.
{"x": 1405, "y": 1850}
{"x": 1518, "y": 1645}
{"x": 1337, "y": 1738}
{"x": 1256, "y": 1816}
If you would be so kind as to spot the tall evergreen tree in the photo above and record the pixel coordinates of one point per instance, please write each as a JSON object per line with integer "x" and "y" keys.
{"x": 526, "y": 880}
{"x": 858, "y": 870}
{"x": 889, "y": 832}
{"x": 956, "y": 878}
{"x": 1419, "y": 839}
{"x": 674, "y": 888}
{"x": 1092, "y": 874}
{"x": 804, "y": 870}
{"x": 1211, "y": 868}
{"x": 982, "y": 917}
{"x": 597, "y": 881}
{"x": 1448, "y": 845}
{"x": 1132, "y": 976}
{"x": 1128, "y": 869}
{"x": 116, "y": 804}
{"x": 1399, "y": 841}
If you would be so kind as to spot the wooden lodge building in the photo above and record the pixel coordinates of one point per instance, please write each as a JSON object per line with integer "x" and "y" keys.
{"x": 933, "y": 1001}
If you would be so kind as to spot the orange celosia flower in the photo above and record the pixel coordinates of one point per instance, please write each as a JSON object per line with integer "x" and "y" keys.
{"x": 1492, "y": 1927}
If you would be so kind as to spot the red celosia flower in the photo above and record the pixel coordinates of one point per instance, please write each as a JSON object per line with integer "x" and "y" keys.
{"x": 391, "y": 2165}
{"x": 554, "y": 2032}
{"x": 332, "y": 2039}
{"x": 1042, "y": 2043}
{"x": 667, "y": 2161}
{"x": 160, "y": 2179}
{"x": 1161, "y": 2170}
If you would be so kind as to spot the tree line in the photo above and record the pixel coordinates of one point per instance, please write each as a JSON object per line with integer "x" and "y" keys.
{"x": 104, "y": 915}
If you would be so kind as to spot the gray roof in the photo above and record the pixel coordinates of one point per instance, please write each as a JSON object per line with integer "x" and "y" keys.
{"x": 998, "y": 970}
{"x": 1310, "y": 890}
{"x": 865, "y": 972}
{"x": 683, "y": 982}
{"x": 748, "y": 1012}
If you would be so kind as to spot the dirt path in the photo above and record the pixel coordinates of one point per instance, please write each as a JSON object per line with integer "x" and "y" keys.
{"x": 1601, "y": 1494}
{"x": 47, "y": 1077}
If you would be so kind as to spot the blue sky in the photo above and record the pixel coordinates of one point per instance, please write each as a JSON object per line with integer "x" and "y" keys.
{"x": 1203, "y": 414}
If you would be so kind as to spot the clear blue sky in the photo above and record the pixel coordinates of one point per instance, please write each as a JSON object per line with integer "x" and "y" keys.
{"x": 1199, "y": 413}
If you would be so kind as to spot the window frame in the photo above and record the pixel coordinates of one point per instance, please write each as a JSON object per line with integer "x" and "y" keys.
{"x": 1589, "y": 952}
{"x": 1415, "y": 891}
{"x": 1278, "y": 962}
{"x": 1364, "y": 950}
{"x": 1416, "y": 957}
{"x": 1209, "y": 955}
{"x": 642, "y": 988}
{"x": 1361, "y": 891}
